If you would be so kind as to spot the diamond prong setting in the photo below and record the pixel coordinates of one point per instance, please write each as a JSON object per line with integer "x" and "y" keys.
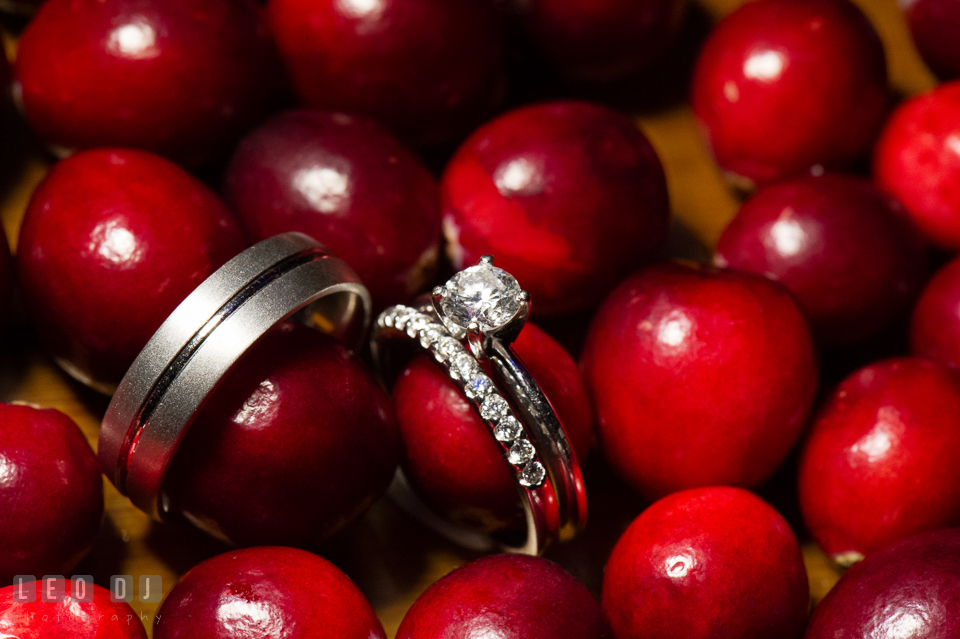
{"x": 479, "y": 299}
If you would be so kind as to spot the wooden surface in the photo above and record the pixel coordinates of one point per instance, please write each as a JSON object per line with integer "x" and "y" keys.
{"x": 390, "y": 557}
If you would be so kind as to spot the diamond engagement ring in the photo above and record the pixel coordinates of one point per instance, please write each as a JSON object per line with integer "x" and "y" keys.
{"x": 474, "y": 318}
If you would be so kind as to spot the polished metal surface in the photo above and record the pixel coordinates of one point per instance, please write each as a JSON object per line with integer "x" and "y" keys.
{"x": 286, "y": 276}
{"x": 545, "y": 430}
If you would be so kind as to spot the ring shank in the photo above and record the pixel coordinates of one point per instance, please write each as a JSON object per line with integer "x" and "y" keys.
{"x": 287, "y": 276}
{"x": 548, "y": 435}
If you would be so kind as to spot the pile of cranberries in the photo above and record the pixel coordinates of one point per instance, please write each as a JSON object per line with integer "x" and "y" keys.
{"x": 816, "y": 355}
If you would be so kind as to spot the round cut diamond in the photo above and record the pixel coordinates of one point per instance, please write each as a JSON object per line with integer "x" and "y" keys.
{"x": 430, "y": 334}
{"x": 479, "y": 386}
{"x": 521, "y": 452}
{"x": 402, "y": 317}
{"x": 508, "y": 429}
{"x": 447, "y": 347}
{"x": 493, "y": 407}
{"x": 532, "y": 475}
{"x": 464, "y": 365}
{"x": 483, "y": 293}
{"x": 417, "y": 324}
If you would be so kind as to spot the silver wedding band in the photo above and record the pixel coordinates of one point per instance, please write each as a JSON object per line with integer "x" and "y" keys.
{"x": 288, "y": 276}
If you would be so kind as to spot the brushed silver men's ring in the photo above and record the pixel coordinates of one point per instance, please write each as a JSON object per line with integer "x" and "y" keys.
{"x": 288, "y": 276}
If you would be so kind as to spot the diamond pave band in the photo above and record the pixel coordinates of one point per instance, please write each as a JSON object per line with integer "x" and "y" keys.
{"x": 465, "y": 370}
{"x": 473, "y": 318}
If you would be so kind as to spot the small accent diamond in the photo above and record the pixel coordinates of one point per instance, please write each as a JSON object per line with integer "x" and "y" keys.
{"x": 532, "y": 475}
{"x": 418, "y": 323}
{"x": 521, "y": 452}
{"x": 430, "y": 334}
{"x": 464, "y": 365}
{"x": 447, "y": 348}
{"x": 508, "y": 429}
{"x": 493, "y": 408}
{"x": 403, "y": 316}
{"x": 479, "y": 386}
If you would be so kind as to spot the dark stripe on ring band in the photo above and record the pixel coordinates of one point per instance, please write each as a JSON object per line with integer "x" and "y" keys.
{"x": 187, "y": 351}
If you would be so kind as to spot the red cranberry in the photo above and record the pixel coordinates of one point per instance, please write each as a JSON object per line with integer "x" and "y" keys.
{"x": 51, "y": 494}
{"x": 430, "y": 69}
{"x": 880, "y": 464}
{"x": 934, "y": 25}
{"x": 182, "y": 78}
{"x": 449, "y": 456}
{"x": 506, "y": 596}
{"x": 935, "y": 325}
{"x": 713, "y": 563}
{"x": 911, "y": 589}
{"x": 99, "y": 618}
{"x": 698, "y": 378}
{"x": 848, "y": 255}
{"x": 782, "y": 86}
{"x": 348, "y": 183}
{"x": 296, "y": 443}
{"x": 266, "y": 592}
{"x": 568, "y": 197}
{"x": 111, "y": 243}
{"x": 917, "y": 159}
{"x": 605, "y": 39}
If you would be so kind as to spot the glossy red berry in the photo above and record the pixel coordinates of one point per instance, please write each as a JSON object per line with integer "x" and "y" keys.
{"x": 707, "y": 563}
{"x": 182, "y": 78}
{"x": 935, "y": 324}
{"x": 429, "y": 69}
{"x": 917, "y": 159}
{"x": 880, "y": 463}
{"x": 934, "y": 25}
{"x": 93, "y": 616}
{"x": 567, "y": 196}
{"x": 506, "y": 596}
{"x": 785, "y": 86}
{"x": 348, "y": 183}
{"x": 295, "y": 444}
{"x": 850, "y": 256}
{"x": 112, "y": 241}
{"x": 266, "y": 592}
{"x": 698, "y": 377}
{"x": 910, "y": 589}
{"x": 449, "y": 456}
{"x": 51, "y": 494}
